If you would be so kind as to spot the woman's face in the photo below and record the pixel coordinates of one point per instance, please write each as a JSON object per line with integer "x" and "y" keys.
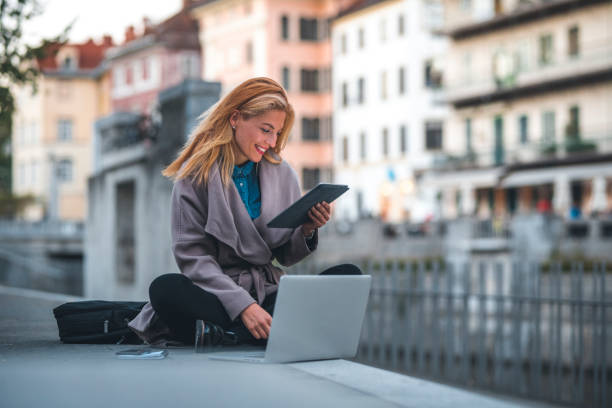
{"x": 256, "y": 135}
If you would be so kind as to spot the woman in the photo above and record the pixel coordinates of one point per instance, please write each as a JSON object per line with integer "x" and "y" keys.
{"x": 230, "y": 181}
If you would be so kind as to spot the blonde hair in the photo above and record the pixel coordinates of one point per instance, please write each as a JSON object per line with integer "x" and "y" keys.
{"x": 213, "y": 139}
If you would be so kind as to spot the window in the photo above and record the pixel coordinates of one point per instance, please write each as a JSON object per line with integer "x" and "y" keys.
{"x": 383, "y": 30}
{"x": 433, "y": 15}
{"x": 309, "y": 29}
{"x": 345, "y": 149}
{"x": 468, "y": 135}
{"x": 433, "y": 77}
{"x": 34, "y": 172}
{"x": 403, "y": 139}
{"x": 64, "y": 170}
{"x": 573, "y": 41}
{"x": 325, "y": 128}
{"x": 433, "y": 135}
{"x": 400, "y": 25}
{"x": 344, "y": 94}
{"x": 310, "y": 177}
{"x": 310, "y": 129}
{"x": 64, "y": 130}
{"x": 546, "y": 49}
{"x": 362, "y": 146}
{"x": 68, "y": 63}
{"x": 190, "y": 66}
{"x": 361, "y": 91}
{"x": 125, "y": 203}
{"x": 284, "y": 27}
{"x": 145, "y": 69}
{"x": 310, "y": 80}
{"x": 523, "y": 129}
{"x": 343, "y": 44}
{"x": 286, "y": 78}
{"x": 572, "y": 131}
{"x": 385, "y": 142}
{"x": 361, "y": 38}
{"x": 325, "y": 80}
{"x": 466, "y": 5}
{"x": 129, "y": 75}
{"x": 401, "y": 80}
{"x": 22, "y": 174}
{"x": 548, "y": 127}
{"x": 249, "y": 52}
{"x": 383, "y": 85}
{"x": 499, "y": 7}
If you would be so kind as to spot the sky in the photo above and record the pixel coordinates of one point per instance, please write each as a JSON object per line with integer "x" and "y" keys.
{"x": 93, "y": 19}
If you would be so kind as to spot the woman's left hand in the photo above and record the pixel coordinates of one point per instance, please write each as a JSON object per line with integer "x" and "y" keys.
{"x": 319, "y": 214}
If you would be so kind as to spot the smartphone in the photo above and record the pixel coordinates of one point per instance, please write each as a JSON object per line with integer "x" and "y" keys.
{"x": 142, "y": 354}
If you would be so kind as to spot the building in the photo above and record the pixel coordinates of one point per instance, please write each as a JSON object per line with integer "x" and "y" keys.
{"x": 127, "y": 234}
{"x": 289, "y": 42}
{"x": 531, "y": 120}
{"x": 159, "y": 57}
{"x": 388, "y": 110}
{"x": 51, "y": 141}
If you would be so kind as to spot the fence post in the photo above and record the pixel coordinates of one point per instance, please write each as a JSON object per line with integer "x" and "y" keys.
{"x": 580, "y": 334}
{"x": 435, "y": 321}
{"x": 450, "y": 323}
{"x": 482, "y": 363}
{"x": 421, "y": 317}
{"x": 537, "y": 289}
{"x": 466, "y": 360}
{"x": 604, "y": 357}
{"x": 395, "y": 332}
{"x": 498, "y": 349}
{"x": 408, "y": 318}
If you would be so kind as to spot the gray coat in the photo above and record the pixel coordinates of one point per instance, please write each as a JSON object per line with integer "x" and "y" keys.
{"x": 218, "y": 246}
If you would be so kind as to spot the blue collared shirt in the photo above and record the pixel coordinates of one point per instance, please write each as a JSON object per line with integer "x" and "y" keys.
{"x": 246, "y": 181}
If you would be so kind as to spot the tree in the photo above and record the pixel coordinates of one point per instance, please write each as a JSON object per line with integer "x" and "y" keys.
{"x": 17, "y": 67}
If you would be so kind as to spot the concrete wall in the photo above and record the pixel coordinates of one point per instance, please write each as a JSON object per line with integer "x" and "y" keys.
{"x": 152, "y": 256}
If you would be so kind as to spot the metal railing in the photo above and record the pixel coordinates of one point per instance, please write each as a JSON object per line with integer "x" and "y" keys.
{"x": 62, "y": 229}
{"x": 520, "y": 329}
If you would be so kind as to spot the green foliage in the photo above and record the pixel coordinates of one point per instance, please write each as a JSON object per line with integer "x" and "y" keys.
{"x": 17, "y": 68}
{"x": 11, "y": 204}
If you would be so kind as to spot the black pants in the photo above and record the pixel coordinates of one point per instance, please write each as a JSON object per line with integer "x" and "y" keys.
{"x": 179, "y": 303}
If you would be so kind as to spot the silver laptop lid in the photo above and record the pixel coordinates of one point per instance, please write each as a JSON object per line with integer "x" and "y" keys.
{"x": 317, "y": 317}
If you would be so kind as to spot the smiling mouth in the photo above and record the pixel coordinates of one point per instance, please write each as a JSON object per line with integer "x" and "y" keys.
{"x": 260, "y": 149}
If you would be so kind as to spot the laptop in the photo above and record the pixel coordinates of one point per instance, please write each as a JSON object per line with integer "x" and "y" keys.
{"x": 315, "y": 318}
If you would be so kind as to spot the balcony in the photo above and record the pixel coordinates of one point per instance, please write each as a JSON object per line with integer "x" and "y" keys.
{"x": 120, "y": 138}
{"x": 568, "y": 149}
{"x": 520, "y": 73}
{"x": 463, "y": 24}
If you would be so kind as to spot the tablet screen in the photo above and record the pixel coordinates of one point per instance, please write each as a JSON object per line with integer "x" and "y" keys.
{"x": 297, "y": 213}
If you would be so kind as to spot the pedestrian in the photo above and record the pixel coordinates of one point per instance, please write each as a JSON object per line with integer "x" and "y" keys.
{"x": 229, "y": 182}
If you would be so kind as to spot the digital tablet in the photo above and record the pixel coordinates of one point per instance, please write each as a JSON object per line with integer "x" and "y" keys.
{"x": 297, "y": 213}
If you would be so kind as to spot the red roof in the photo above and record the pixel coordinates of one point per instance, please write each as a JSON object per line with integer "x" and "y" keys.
{"x": 90, "y": 54}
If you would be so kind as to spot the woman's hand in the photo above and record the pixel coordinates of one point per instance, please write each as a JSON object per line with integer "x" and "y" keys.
{"x": 257, "y": 321}
{"x": 319, "y": 215}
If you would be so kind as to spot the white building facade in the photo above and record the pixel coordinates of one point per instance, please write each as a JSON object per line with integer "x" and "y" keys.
{"x": 388, "y": 121}
{"x": 531, "y": 109}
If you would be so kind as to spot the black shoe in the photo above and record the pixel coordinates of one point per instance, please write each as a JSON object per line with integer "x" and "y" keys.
{"x": 209, "y": 334}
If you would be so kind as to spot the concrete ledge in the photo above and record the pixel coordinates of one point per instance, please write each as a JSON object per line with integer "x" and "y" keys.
{"x": 37, "y": 370}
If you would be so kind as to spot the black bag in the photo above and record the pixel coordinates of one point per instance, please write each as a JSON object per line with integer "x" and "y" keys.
{"x": 97, "y": 322}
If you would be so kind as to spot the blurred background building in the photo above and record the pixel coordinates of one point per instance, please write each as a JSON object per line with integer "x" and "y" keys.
{"x": 473, "y": 134}
{"x": 159, "y": 56}
{"x": 52, "y": 133}
{"x": 388, "y": 109}
{"x": 530, "y": 85}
